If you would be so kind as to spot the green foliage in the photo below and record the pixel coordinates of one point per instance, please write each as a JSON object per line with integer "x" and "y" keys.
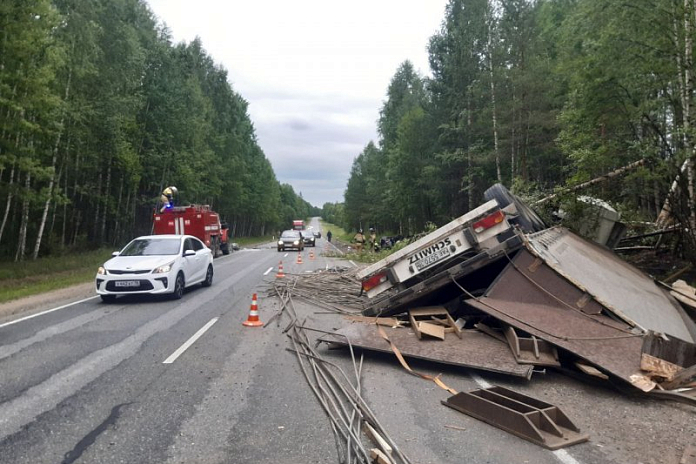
{"x": 99, "y": 111}
{"x": 581, "y": 88}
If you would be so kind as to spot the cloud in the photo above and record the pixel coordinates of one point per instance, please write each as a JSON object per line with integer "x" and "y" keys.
{"x": 314, "y": 72}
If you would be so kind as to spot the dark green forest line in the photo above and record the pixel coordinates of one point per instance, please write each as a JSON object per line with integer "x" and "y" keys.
{"x": 99, "y": 111}
{"x": 539, "y": 95}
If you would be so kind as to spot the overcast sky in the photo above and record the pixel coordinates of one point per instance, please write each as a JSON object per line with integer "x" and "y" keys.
{"x": 315, "y": 73}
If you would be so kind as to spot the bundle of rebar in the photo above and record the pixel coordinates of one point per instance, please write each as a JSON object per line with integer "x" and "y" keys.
{"x": 336, "y": 289}
{"x": 338, "y": 394}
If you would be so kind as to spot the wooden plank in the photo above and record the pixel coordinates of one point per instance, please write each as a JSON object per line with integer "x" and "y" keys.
{"x": 682, "y": 377}
{"x": 591, "y": 370}
{"x": 432, "y": 330}
{"x": 657, "y": 367}
{"x": 379, "y": 457}
{"x": 385, "y": 321}
{"x": 377, "y": 438}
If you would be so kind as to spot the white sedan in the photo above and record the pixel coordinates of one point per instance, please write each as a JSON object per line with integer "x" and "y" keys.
{"x": 156, "y": 264}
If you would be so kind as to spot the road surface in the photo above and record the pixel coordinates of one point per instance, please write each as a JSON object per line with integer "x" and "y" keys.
{"x": 151, "y": 380}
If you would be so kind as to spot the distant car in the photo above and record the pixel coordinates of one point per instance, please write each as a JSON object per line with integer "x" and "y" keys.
{"x": 290, "y": 239}
{"x": 308, "y": 238}
{"x": 156, "y": 264}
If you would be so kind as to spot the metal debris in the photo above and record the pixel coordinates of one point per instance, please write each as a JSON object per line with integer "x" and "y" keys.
{"x": 534, "y": 420}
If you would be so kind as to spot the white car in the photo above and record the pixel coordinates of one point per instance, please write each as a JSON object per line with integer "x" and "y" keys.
{"x": 156, "y": 264}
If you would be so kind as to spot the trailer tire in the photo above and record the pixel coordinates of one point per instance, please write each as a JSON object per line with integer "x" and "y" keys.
{"x": 527, "y": 219}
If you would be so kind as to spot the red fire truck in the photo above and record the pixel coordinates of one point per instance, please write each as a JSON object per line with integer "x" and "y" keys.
{"x": 197, "y": 220}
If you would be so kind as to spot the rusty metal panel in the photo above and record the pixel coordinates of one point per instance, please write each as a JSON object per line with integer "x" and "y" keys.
{"x": 620, "y": 287}
{"x": 474, "y": 350}
{"x": 534, "y": 420}
{"x": 531, "y": 350}
{"x": 542, "y": 303}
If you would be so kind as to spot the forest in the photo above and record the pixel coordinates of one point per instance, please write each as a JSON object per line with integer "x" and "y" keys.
{"x": 540, "y": 96}
{"x": 100, "y": 111}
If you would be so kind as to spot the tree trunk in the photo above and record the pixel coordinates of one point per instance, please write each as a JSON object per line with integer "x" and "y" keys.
{"x": 8, "y": 203}
{"x": 102, "y": 234}
{"x": 21, "y": 243}
{"x": 95, "y": 229}
{"x": 495, "y": 119}
{"x": 47, "y": 205}
{"x": 689, "y": 88}
{"x": 470, "y": 167}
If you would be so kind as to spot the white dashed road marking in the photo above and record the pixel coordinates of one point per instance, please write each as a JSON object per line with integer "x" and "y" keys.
{"x": 190, "y": 342}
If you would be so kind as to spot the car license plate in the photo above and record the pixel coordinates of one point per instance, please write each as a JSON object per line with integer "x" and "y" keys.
{"x": 433, "y": 258}
{"x": 127, "y": 283}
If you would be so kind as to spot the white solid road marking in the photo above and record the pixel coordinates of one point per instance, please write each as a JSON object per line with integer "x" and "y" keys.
{"x": 189, "y": 342}
{"x": 47, "y": 311}
{"x": 351, "y": 262}
{"x": 269, "y": 270}
{"x": 479, "y": 381}
{"x": 286, "y": 255}
{"x": 561, "y": 454}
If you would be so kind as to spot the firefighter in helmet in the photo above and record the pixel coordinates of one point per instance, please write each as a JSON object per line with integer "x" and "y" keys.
{"x": 168, "y": 197}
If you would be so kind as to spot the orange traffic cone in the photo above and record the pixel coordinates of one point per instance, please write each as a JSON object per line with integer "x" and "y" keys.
{"x": 280, "y": 274}
{"x": 311, "y": 254}
{"x": 253, "y": 320}
{"x": 299, "y": 258}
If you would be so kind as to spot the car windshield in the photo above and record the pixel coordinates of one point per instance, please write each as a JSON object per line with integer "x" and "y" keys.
{"x": 290, "y": 234}
{"x": 152, "y": 247}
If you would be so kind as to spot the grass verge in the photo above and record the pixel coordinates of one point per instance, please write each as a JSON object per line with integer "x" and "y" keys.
{"x": 18, "y": 280}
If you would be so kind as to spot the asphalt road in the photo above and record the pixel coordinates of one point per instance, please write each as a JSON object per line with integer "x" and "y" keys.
{"x": 88, "y": 383}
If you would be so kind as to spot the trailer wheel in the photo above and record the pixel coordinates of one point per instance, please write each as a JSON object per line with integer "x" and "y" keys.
{"x": 527, "y": 219}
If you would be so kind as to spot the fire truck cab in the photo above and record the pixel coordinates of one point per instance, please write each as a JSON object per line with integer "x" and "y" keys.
{"x": 197, "y": 220}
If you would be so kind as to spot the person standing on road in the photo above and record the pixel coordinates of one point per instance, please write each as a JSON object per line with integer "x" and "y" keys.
{"x": 359, "y": 240}
{"x": 372, "y": 240}
{"x": 328, "y": 236}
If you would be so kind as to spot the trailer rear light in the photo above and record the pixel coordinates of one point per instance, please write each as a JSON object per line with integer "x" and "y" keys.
{"x": 489, "y": 221}
{"x": 372, "y": 282}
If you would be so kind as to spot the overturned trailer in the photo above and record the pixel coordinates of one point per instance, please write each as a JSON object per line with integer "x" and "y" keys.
{"x": 560, "y": 288}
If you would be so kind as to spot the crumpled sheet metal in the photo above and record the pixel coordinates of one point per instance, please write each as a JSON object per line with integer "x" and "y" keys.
{"x": 620, "y": 287}
{"x": 531, "y": 301}
{"x": 474, "y": 350}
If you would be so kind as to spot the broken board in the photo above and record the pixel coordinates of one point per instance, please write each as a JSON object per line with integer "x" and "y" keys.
{"x": 474, "y": 350}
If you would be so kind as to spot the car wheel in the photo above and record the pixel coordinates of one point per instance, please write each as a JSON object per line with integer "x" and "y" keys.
{"x": 108, "y": 298}
{"x": 178, "y": 287}
{"x": 527, "y": 219}
{"x": 208, "y": 276}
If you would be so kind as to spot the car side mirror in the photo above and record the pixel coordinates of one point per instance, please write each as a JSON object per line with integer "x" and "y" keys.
{"x": 189, "y": 253}
{"x": 115, "y": 253}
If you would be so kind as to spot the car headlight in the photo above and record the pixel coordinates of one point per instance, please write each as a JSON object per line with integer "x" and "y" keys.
{"x": 101, "y": 271}
{"x": 295, "y": 242}
{"x": 280, "y": 242}
{"x": 163, "y": 269}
